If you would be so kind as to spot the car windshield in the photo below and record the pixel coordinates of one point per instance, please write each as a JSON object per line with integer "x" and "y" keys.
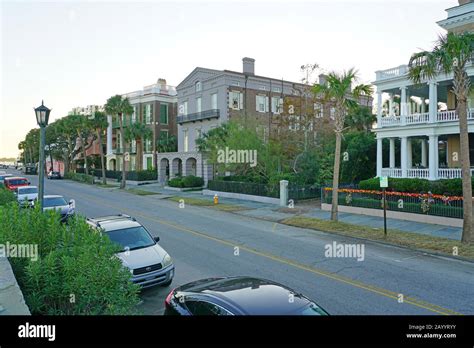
{"x": 54, "y": 202}
{"x": 312, "y": 309}
{"x": 131, "y": 238}
{"x": 28, "y": 190}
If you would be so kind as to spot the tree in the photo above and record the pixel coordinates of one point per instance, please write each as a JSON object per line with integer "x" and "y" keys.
{"x": 361, "y": 119}
{"x": 120, "y": 107}
{"x": 337, "y": 91}
{"x": 167, "y": 144}
{"x": 139, "y": 132}
{"x": 85, "y": 133}
{"x": 100, "y": 124}
{"x": 451, "y": 54}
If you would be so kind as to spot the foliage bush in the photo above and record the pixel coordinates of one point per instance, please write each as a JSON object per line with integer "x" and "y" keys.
{"x": 451, "y": 187}
{"x": 89, "y": 179}
{"x": 187, "y": 181}
{"x": 6, "y": 196}
{"x": 140, "y": 175}
{"x": 76, "y": 272}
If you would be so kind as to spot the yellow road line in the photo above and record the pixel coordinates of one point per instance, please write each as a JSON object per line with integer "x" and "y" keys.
{"x": 384, "y": 292}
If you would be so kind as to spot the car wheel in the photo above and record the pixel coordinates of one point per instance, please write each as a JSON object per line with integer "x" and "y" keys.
{"x": 168, "y": 283}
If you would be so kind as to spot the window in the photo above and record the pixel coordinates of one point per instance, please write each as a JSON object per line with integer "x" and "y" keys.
{"x": 277, "y": 105}
{"x": 198, "y": 133}
{"x": 148, "y": 112}
{"x": 134, "y": 145}
{"x": 205, "y": 308}
{"x": 214, "y": 101}
{"x": 235, "y": 83}
{"x": 148, "y": 145}
{"x": 262, "y": 103}
{"x": 185, "y": 138}
{"x": 164, "y": 113}
{"x": 183, "y": 108}
{"x": 263, "y": 88}
{"x": 198, "y": 104}
{"x": 318, "y": 110}
{"x": 236, "y": 100}
{"x": 277, "y": 89}
{"x": 198, "y": 86}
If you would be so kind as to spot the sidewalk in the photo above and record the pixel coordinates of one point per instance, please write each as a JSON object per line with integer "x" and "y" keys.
{"x": 274, "y": 213}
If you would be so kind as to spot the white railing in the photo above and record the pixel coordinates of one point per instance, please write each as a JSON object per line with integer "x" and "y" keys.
{"x": 451, "y": 173}
{"x": 392, "y": 172}
{"x": 391, "y": 73}
{"x": 447, "y": 116}
{"x": 388, "y": 121}
{"x": 423, "y": 173}
{"x": 418, "y": 118}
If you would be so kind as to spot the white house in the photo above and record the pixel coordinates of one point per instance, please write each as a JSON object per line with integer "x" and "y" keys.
{"x": 418, "y": 133}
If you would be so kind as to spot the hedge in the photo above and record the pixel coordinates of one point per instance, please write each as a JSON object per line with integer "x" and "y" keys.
{"x": 75, "y": 271}
{"x": 140, "y": 175}
{"x": 187, "y": 181}
{"x": 6, "y": 196}
{"x": 89, "y": 179}
{"x": 450, "y": 187}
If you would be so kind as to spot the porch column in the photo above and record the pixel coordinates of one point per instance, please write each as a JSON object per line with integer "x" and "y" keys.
{"x": 423, "y": 153}
{"x": 433, "y": 153}
{"x": 109, "y": 135}
{"x": 392, "y": 152}
{"x": 433, "y": 101}
{"x": 409, "y": 154}
{"x": 403, "y": 106}
{"x": 379, "y": 109}
{"x": 379, "y": 157}
{"x": 403, "y": 156}
{"x": 423, "y": 105}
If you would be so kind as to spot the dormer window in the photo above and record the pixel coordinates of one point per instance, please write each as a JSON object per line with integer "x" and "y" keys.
{"x": 198, "y": 86}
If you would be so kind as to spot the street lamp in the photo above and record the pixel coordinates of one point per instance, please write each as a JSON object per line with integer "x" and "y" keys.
{"x": 42, "y": 118}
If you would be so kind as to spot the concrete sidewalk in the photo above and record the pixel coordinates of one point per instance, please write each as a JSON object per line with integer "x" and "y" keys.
{"x": 272, "y": 212}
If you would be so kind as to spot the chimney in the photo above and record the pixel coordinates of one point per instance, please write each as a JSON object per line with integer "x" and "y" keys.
{"x": 248, "y": 66}
{"x": 161, "y": 82}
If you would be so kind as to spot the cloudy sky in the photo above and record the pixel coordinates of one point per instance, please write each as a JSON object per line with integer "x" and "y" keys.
{"x": 76, "y": 53}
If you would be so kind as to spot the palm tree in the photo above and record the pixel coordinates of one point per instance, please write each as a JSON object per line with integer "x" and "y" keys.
{"x": 451, "y": 54}
{"x": 118, "y": 107}
{"x": 139, "y": 132}
{"x": 337, "y": 91}
{"x": 99, "y": 123}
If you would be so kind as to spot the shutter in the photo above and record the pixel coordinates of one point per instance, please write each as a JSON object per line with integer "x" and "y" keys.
{"x": 241, "y": 101}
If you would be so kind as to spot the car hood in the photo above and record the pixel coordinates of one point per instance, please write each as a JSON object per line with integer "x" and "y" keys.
{"x": 62, "y": 209}
{"x": 28, "y": 196}
{"x": 142, "y": 257}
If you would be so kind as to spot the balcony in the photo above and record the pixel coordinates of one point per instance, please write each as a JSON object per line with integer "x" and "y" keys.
{"x": 423, "y": 173}
{"x": 199, "y": 116}
{"x": 420, "y": 118}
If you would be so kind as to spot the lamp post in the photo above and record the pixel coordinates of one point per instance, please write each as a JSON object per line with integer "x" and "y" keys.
{"x": 42, "y": 118}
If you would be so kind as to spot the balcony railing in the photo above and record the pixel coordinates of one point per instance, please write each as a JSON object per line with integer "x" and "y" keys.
{"x": 391, "y": 73}
{"x": 390, "y": 121}
{"x": 418, "y": 118}
{"x": 442, "y": 116}
{"x": 392, "y": 172}
{"x": 199, "y": 116}
{"x": 424, "y": 173}
{"x": 119, "y": 151}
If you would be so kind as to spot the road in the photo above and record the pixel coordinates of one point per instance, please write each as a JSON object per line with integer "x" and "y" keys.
{"x": 203, "y": 241}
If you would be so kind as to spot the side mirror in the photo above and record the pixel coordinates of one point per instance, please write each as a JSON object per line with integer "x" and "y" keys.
{"x": 157, "y": 239}
{"x": 72, "y": 203}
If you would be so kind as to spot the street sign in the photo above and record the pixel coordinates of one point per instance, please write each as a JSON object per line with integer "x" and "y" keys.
{"x": 127, "y": 156}
{"x": 384, "y": 185}
{"x": 384, "y": 181}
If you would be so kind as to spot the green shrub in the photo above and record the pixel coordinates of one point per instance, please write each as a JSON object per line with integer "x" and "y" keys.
{"x": 89, "y": 179}
{"x": 6, "y": 196}
{"x": 192, "y": 181}
{"x": 176, "y": 182}
{"x": 76, "y": 272}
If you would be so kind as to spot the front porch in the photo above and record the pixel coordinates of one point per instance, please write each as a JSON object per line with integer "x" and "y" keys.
{"x": 430, "y": 157}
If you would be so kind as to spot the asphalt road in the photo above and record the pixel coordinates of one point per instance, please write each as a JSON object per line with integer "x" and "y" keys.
{"x": 202, "y": 244}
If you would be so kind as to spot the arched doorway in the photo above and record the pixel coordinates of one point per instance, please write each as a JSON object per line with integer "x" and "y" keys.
{"x": 177, "y": 167}
{"x": 164, "y": 170}
{"x": 112, "y": 164}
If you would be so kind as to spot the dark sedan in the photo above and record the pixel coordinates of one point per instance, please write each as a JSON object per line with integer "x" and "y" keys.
{"x": 54, "y": 175}
{"x": 238, "y": 296}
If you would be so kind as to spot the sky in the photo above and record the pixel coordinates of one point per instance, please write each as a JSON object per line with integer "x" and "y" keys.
{"x": 78, "y": 53}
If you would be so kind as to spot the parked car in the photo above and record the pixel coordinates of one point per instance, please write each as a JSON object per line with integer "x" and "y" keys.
{"x": 54, "y": 175}
{"x": 238, "y": 296}
{"x": 2, "y": 178}
{"x": 26, "y": 194}
{"x": 59, "y": 203}
{"x": 13, "y": 182}
{"x": 148, "y": 262}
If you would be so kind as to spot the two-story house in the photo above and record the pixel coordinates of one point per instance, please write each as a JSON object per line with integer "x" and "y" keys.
{"x": 418, "y": 136}
{"x": 155, "y": 106}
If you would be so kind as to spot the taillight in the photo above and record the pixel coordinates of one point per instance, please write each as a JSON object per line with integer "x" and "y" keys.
{"x": 169, "y": 297}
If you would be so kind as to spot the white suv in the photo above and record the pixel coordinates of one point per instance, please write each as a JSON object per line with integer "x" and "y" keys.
{"x": 148, "y": 262}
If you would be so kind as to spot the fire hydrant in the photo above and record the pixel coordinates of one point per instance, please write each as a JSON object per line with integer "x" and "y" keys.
{"x": 216, "y": 199}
